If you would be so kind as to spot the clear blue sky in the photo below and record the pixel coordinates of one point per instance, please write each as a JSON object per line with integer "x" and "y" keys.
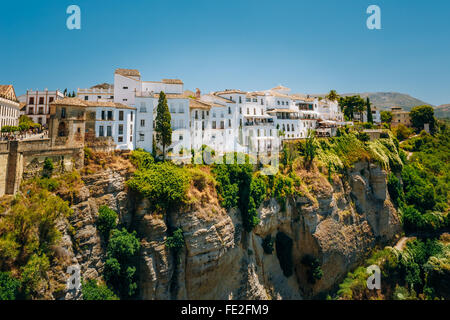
{"x": 309, "y": 46}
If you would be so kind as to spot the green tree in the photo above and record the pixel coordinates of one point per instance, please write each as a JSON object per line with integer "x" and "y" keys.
{"x": 9, "y": 286}
{"x": 420, "y": 116}
{"x": 93, "y": 291}
{"x": 332, "y": 95}
{"x": 386, "y": 116}
{"x": 163, "y": 127}
{"x": 48, "y": 168}
{"x": 120, "y": 271}
{"x": 369, "y": 111}
{"x": 351, "y": 104}
{"x": 106, "y": 221}
{"x": 310, "y": 148}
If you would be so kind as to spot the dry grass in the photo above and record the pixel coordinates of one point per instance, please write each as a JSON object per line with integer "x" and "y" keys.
{"x": 99, "y": 161}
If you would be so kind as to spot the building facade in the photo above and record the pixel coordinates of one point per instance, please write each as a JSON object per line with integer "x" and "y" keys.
{"x": 9, "y": 106}
{"x": 101, "y": 92}
{"x": 400, "y": 116}
{"x": 37, "y": 104}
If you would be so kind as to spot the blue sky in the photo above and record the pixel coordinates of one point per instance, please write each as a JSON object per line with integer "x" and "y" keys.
{"x": 309, "y": 46}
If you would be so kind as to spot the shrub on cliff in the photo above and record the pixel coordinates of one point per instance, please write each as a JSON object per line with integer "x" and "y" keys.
{"x": 120, "y": 269}
{"x": 93, "y": 291}
{"x": 314, "y": 271}
{"x": 9, "y": 286}
{"x": 176, "y": 240}
{"x": 106, "y": 221}
{"x": 48, "y": 168}
{"x": 164, "y": 184}
{"x": 141, "y": 159}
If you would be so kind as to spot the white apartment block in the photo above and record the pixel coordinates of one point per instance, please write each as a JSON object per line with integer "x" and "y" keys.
{"x": 113, "y": 120}
{"x": 9, "y": 106}
{"x": 37, "y": 104}
{"x": 101, "y": 92}
{"x": 226, "y": 121}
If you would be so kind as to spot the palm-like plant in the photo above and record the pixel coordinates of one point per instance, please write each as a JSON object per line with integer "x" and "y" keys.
{"x": 332, "y": 95}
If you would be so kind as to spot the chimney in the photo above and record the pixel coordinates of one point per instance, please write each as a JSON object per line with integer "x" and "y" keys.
{"x": 197, "y": 93}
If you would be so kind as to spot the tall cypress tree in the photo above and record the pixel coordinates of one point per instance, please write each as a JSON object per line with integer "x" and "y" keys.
{"x": 369, "y": 111}
{"x": 163, "y": 128}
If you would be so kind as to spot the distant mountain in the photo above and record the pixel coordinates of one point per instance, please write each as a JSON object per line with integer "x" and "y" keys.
{"x": 386, "y": 100}
{"x": 442, "y": 111}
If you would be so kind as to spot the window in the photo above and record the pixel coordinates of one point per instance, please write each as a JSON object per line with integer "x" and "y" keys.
{"x": 132, "y": 115}
{"x": 196, "y": 114}
{"x": 278, "y": 102}
{"x": 103, "y": 115}
{"x": 41, "y": 100}
{"x": 229, "y": 123}
{"x": 63, "y": 113}
{"x": 229, "y": 110}
{"x": 101, "y": 133}
{"x": 31, "y": 100}
{"x": 125, "y": 88}
{"x": 124, "y": 99}
{"x": 110, "y": 115}
{"x": 181, "y": 137}
{"x": 41, "y": 110}
{"x": 120, "y": 139}
{"x": 141, "y": 137}
{"x": 143, "y": 110}
{"x": 50, "y": 99}
{"x": 240, "y": 99}
{"x": 142, "y": 123}
{"x": 248, "y": 100}
{"x": 86, "y": 98}
{"x": 222, "y": 125}
{"x": 120, "y": 128}
{"x": 120, "y": 115}
{"x": 255, "y": 100}
{"x": 214, "y": 125}
{"x": 181, "y": 108}
{"x": 109, "y": 131}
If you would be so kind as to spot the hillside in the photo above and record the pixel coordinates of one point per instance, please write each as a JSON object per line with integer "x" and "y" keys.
{"x": 386, "y": 100}
{"x": 442, "y": 111}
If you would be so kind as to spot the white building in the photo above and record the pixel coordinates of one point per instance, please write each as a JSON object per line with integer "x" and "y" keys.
{"x": 115, "y": 120}
{"x": 100, "y": 92}
{"x": 9, "y": 106}
{"x": 226, "y": 121}
{"x": 37, "y": 104}
{"x": 376, "y": 116}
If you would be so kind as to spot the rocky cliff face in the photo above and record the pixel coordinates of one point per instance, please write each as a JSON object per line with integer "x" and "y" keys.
{"x": 81, "y": 245}
{"x": 337, "y": 223}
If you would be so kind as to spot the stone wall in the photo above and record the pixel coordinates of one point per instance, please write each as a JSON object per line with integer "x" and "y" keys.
{"x": 25, "y": 159}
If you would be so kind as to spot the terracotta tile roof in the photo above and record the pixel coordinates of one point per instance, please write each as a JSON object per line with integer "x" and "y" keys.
{"x": 7, "y": 92}
{"x": 197, "y": 104}
{"x": 128, "y": 72}
{"x": 108, "y": 104}
{"x": 69, "y": 102}
{"x": 172, "y": 81}
{"x": 281, "y": 88}
{"x": 230, "y": 91}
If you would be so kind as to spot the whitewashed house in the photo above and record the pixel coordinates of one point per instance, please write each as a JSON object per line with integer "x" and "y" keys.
{"x": 37, "y": 104}
{"x": 112, "y": 120}
{"x": 9, "y": 106}
{"x": 100, "y": 92}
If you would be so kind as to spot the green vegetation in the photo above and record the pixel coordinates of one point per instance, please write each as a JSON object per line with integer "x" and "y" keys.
{"x": 314, "y": 271}
{"x": 48, "y": 168}
{"x": 28, "y": 231}
{"x": 351, "y": 104}
{"x": 141, "y": 159}
{"x": 419, "y": 271}
{"x": 420, "y": 116}
{"x": 176, "y": 240}
{"x": 164, "y": 184}
{"x": 422, "y": 197}
{"x": 106, "y": 221}
{"x": 402, "y": 132}
{"x": 386, "y": 116}
{"x": 163, "y": 127}
{"x": 9, "y": 286}
{"x": 91, "y": 290}
{"x": 267, "y": 244}
{"x": 120, "y": 268}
